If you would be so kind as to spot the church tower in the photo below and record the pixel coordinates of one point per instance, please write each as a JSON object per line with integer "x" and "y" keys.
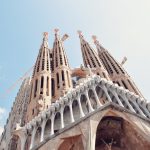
{"x": 61, "y": 80}
{"x": 90, "y": 58}
{"x": 40, "y": 97}
{"x": 115, "y": 70}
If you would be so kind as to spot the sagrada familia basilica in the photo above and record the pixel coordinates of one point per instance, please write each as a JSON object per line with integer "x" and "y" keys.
{"x": 96, "y": 106}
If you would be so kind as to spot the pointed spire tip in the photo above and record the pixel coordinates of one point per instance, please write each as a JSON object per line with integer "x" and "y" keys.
{"x": 94, "y": 37}
{"x": 45, "y": 34}
{"x": 56, "y": 30}
{"x": 79, "y": 32}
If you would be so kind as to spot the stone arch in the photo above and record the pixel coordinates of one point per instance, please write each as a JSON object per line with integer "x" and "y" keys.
{"x": 84, "y": 104}
{"x": 109, "y": 132}
{"x": 37, "y": 135}
{"x": 101, "y": 95}
{"x": 66, "y": 114}
{"x": 75, "y": 109}
{"x": 117, "y": 133}
{"x": 57, "y": 122}
{"x": 72, "y": 143}
{"x": 92, "y": 99}
{"x": 47, "y": 129}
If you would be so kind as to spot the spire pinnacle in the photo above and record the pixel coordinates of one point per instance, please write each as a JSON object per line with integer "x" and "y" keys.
{"x": 56, "y": 30}
{"x": 81, "y": 36}
{"x": 94, "y": 37}
{"x": 45, "y": 34}
{"x": 45, "y": 39}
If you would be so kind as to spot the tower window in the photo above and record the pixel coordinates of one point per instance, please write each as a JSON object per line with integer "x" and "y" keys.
{"x": 53, "y": 87}
{"x": 57, "y": 80}
{"x": 42, "y": 82}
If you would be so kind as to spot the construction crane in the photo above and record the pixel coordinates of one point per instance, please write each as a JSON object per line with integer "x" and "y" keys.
{"x": 123, "y": 61}
{"x": 11, "y": 88}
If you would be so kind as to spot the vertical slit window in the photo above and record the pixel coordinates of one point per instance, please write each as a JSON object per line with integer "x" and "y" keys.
{"x": 53, "y": 87}
{"x": 57, "y": 80}
{"x": 35, "y": 87}
{"x": 42, "y": 82}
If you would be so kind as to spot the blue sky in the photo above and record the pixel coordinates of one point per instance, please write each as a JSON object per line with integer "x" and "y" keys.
{"x": 123, "y": 27}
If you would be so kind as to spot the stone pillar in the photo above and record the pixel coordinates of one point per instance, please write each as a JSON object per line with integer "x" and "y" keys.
{"x": 127, "y": 102}
{"x": 80, "y": 107}
{"x": 117, "y": 98}
{"x": 97, "y": 99}
{"x": 106, "y": 92}
{"x": 52, "y": 124}
{"x": 88, "y": 100}
{"x": 33, "y": 137}
{"x": 62, "y": 117}
{"x": 71, "y": 112}
{"x": 43, "y": 130}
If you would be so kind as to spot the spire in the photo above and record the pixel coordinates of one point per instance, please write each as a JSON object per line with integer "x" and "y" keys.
{"x": 61, "y": 70}
{"x": 90, "y": 57}
{"x": 41, "y": 81}
{"x": 115, "y": 70}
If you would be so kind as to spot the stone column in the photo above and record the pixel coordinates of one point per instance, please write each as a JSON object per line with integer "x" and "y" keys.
{"x": 52, "y": 124}
{"x": 43, "y": 130}
{"x": 97, "y": 99}
{"x": 106, "y": 92}
{"x": 71, "y": 112}
{"x": 62, "y": 116}
{"x": 127, "y": 102}
{"x": 117, "y": 98}
{"x": 88, "y": 100}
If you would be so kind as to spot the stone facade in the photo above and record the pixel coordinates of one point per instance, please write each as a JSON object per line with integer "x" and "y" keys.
{"x": 84, "y": 108}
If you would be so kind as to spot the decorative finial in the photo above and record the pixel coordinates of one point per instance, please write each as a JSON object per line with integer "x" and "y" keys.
{"x": 45, "y": 34}
{"x": 94, "y": 37}
{"x": 80, "y": 33}
{"x": 56, "y": 30}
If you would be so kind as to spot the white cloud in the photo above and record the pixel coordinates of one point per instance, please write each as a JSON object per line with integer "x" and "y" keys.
{"x": 1, "y": 130}
{"x": 2, "y": 111}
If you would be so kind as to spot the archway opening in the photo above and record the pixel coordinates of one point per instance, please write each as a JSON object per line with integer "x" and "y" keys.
{"x": 84, "y": 104}
{"x": 67, "y": 118}
{"x": 57, "y": 122}
{"x": 109, "y": 133}
{"x": 76, "y": 110}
